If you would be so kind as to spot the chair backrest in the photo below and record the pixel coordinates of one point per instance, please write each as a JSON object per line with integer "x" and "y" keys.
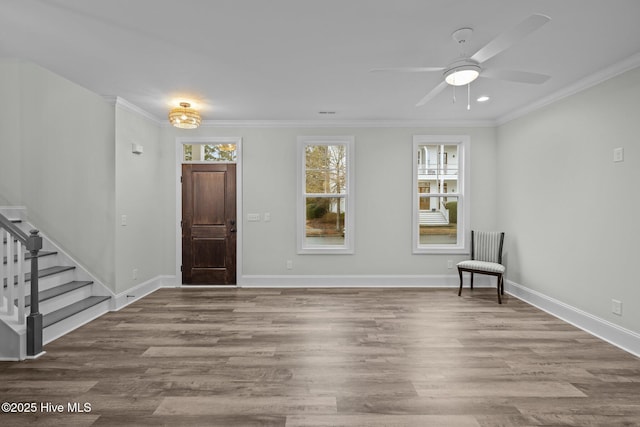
{"x": 487, "y": 246}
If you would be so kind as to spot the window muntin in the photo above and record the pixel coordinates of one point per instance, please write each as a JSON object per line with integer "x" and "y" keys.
{"x": 440, "y": 214}
{"x": 325, "y": 217}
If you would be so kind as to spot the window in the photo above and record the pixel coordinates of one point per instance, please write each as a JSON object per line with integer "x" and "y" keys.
{"x": 325, "y": 194}
{"x": 213, "y": 152}
{"x": 440, "y": 205}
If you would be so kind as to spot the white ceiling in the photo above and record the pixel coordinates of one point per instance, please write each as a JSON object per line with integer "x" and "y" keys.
{"x": 291, "y": 59}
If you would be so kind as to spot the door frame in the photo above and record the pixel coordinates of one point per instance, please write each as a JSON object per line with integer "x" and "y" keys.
{"x": 180, "y": 141}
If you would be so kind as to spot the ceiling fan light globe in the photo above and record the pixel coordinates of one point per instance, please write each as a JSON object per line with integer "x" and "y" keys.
{"x": 462, "y": 75}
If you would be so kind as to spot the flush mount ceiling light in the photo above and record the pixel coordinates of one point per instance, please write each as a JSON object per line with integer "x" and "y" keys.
{"x": 184, "y": 117}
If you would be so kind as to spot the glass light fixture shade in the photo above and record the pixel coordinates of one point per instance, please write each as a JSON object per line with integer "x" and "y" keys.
{"x": 227, "y": 147}
{"x": 462, "y": 75}
{"x": 184, "y": 117}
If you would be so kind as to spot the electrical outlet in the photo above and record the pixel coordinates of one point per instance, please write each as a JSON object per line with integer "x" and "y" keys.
{"x": 289, "y": 264}
{"x": 134, "y": 273}
{"x": 123, "y": 220}
{"x": 449, "y": 263}
{"x": 616, "y": 307}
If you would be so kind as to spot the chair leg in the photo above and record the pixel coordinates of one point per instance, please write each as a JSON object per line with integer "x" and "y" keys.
{"x": 502, "y": 284}
{"x": 472, "y": 280}
{"x": 460, "y": 290}
{"x": 498, "y": 287}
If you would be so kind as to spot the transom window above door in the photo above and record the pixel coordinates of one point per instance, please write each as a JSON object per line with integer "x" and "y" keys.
{"x": 210, "y": 153}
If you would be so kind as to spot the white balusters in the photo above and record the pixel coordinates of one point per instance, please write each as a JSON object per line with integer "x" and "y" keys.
{"x": 21, "y": 285}
{"x": 3, "y": 253}
{"x": 12, "y": 250}
{"x": 10, "y": 275}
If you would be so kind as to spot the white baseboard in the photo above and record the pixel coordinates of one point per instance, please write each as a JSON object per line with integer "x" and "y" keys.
{"x": 359, "y": 281}
{"x": 125, "y": 298}
{"x": 625, "y": 339}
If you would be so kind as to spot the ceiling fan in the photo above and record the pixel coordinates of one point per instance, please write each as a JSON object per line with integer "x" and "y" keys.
{"x": 468, "y": 68}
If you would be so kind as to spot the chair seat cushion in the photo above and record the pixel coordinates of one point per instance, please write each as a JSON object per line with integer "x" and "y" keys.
{"x": 491, "y": 267}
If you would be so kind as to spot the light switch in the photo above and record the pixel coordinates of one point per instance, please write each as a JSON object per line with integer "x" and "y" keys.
{"x": 618, "y": 154}
{"x": 267, "y": 216}
{"x": 123, "y": 220}
{"x": 253, "y": 217}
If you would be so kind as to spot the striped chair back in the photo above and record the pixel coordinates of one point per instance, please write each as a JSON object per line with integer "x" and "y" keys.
{"x": 487, "y": 246}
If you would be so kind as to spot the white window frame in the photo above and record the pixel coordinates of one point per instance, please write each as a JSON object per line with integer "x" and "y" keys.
{"x": 462, "y": 194}
{"x": 348, "y": 246}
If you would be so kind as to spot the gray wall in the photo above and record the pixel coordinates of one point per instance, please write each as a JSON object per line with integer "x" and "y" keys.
{"x": 571, "y": 214}
{"x": 383, "y": 186}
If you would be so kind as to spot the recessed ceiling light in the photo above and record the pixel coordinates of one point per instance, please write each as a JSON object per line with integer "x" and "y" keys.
{"x": 483, "y": 98}
{"x": 326, "y": 112}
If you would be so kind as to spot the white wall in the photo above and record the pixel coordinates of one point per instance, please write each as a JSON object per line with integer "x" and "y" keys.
{"x": 383, "y": 184}
{"x": 570, "y": 213}
{"x": 141, "y": 196}
{"x": 63, "y": 162}
{"x": 10, "y": 152}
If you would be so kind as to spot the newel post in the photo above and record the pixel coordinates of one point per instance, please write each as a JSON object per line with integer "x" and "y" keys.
{"x": 34, "y": 320}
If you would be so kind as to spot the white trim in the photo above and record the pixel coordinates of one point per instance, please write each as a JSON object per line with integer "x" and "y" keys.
{"x": 603, "y": 75}
{"x": 346, "y": 123}
{"x": 349, "y": 196}
{"x": 141, "y": 290}
{"x": 126, "y": 105}
{"x": 360, "y": 281}
{"x": 618, "y": 336}
{"x": 180, "y": 141}
{"x": 463, "y": 194}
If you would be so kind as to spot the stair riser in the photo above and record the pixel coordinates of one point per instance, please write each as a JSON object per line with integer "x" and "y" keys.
{"x": 67, "y": 325}
{"x": 52, "y": 281}
{"x": 65, "y": 299}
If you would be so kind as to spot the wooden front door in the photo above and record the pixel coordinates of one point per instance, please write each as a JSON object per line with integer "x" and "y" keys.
{"x": 209, "y": 224}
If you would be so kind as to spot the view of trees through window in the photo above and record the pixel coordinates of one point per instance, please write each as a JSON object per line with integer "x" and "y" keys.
{"x": 209, "y": 152}
{"x": 325, "y": 190}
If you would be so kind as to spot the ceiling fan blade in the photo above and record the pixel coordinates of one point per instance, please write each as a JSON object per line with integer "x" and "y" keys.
{"x": 408, "y": 69}
{"x": 510, "y": 37}
{"x": 516, "y": 76}
{"x": 435, "y": 91}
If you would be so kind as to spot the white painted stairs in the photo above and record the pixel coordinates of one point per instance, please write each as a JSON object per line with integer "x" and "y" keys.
{"x": 69, "y": 297}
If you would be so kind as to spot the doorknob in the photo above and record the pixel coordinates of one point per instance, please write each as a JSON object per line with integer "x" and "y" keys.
{"x": 233, "y": 226}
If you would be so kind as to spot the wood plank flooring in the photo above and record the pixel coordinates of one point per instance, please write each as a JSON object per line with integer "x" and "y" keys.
{"x": 327, "y": 357}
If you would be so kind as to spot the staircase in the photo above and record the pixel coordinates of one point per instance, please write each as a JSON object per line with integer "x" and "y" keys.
{"x": 68, "y": 296}
{"x": 432, "y": 218}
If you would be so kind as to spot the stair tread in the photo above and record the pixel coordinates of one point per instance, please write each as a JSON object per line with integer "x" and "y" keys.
{"x": 70, "y": 310}
{"x": 49, "y": 271}
{"x": 27, "y": 256}
{"x": 57, "y": 291}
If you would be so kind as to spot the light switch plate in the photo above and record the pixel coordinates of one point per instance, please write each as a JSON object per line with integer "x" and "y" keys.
{"x": 618, "y": 154}
{"x": 253, "y": 217}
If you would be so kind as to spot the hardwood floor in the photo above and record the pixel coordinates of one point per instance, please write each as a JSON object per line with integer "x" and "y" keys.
{"x": 327, "y": 357}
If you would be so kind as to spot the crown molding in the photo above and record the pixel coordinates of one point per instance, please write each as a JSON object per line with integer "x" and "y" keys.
{"x": 345, "y": 123}
{"x": 124, "y": 104}
{"x": 603, "y": 75}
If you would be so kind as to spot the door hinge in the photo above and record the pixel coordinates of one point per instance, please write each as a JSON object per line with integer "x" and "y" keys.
{"x": 181, "y": 268}
{"x": 181, "y": 225}
{"x": 180, "y": 179}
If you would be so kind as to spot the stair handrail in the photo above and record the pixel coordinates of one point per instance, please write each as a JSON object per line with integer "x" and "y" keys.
{"x": 33, "y": 243}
